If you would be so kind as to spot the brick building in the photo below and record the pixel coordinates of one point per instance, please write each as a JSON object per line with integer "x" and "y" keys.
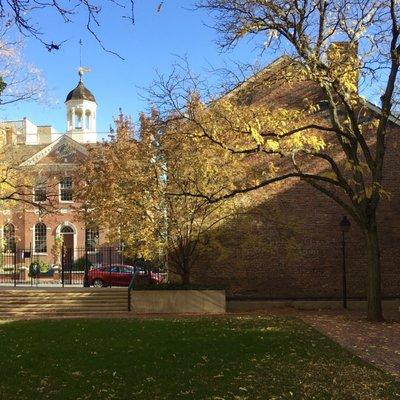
{"x": 50, "y": 158}
{"x": 287, "y": 245}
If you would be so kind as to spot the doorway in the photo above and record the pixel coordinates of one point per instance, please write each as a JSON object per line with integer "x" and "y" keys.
{"x": 67, "y": 233}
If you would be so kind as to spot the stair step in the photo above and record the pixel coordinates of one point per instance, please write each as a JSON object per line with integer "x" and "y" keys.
{"x": 60, "y": 293}
{"x": 53, "y": 306}
{"x": 74, "y": 314}
{"x": 57, "y": 301}
{"x": 109, "y": 296}
{"x": 64, "y": 310}
{"x": 53, "y": 302}
{"x": 124, "y": 294}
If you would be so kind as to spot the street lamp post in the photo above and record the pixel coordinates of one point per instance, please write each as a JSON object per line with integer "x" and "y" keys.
{"x": 344, "y": 227}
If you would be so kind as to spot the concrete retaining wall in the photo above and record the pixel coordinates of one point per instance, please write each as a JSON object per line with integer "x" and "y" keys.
{"x": 178, "y": 301}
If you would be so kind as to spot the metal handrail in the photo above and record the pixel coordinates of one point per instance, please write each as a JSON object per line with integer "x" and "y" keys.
{"x": 130, "y": 289}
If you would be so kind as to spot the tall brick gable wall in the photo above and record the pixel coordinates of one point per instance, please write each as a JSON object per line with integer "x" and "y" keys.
{"x": 289, "y": 245}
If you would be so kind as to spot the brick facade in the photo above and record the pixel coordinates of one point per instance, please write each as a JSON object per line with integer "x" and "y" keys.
{"x": 288, "y": 246}
{"x": 52, "y": 168}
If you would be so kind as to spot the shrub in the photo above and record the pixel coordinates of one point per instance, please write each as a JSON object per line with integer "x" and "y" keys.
{"x": 176, "y": 286}
{"x": 40, "y": 266}
{"x": 79, "y": 264}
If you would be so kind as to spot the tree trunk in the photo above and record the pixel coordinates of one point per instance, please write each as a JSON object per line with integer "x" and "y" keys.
{"x": 374, "y": 274}
{"x": 185, "y": 277}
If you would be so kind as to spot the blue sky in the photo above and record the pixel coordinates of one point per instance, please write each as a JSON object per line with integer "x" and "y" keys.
{"x": 151, "y": 44}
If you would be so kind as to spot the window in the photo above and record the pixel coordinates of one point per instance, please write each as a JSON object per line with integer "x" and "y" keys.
{"x": 66, "y": 229}
{"x": 66, "y": 189}
{"x": 92, "y": 239}
{"x": 87, "y": 119}
{"x": 113, "y": 268}
{"x": 126, "y": 270}
{"x": 40, "y": 194}
{"x": 40, "y": 238}
{"x": 78, "y": 119}
{"x": 9, "y": 238}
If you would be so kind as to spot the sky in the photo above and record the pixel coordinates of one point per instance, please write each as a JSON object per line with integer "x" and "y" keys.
{"x": 151, "y": 44}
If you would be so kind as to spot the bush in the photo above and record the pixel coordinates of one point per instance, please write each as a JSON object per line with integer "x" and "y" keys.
{"x": 80, "y": 263}
{"x": 38, "y": 266}
{"x": 178, "y": 286}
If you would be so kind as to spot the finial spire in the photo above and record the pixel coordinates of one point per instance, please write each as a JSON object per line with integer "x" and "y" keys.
{"x": 80, "y": 52}
{"x": 80, "y": 70}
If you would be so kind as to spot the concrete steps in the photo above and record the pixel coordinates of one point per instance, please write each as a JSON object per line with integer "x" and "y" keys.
{"x": 62, "y": 302}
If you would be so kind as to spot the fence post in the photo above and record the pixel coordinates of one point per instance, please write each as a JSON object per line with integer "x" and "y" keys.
{"x": 31, "y": 260}
{"x": 62, "y": 264}
{"x": 85, "y": 278}
{"x": 15, "y": 267}
{"x": 109, "y": 263}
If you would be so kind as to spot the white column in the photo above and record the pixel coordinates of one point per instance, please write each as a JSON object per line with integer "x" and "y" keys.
{"x": 73, "y": 119}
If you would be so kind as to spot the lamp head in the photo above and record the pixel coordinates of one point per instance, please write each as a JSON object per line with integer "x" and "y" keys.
{"x": 345, "y": 224}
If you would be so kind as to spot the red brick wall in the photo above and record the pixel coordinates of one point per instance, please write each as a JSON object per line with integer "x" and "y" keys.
{"x": 295, "y": 250}
{"x": 289, "y": 244}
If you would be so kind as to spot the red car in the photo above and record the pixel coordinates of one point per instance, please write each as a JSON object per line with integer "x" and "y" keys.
{"x": 118, "y": 275}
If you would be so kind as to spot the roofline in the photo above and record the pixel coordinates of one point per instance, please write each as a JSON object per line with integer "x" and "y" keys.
{"x": 378, "y": 110}
{"x": 33, "y": 160}
{"x": 370, "y": 105}
{"x": 256, "y": 75}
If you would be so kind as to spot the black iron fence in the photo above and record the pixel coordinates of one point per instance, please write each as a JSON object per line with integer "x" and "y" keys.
{"x": 105, "y": 266}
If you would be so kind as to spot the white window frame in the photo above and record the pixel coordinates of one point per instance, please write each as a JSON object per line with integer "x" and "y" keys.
{"x": 60, "y": 191}
{"x": 34, "y": 240}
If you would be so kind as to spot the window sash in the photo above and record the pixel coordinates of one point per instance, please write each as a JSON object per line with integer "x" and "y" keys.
{"x": 66, "y": 189}
{"x": 40, "y": 194}
{"x": 40, "y": 238}
{"x": 91, "y": 239}
{"x": 10, "y": 243}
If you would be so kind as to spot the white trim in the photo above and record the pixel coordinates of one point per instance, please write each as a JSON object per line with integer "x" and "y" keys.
{"x": 59, "y": 191}
{"x": 376, "y": 109}
{"x": 34, "y": 241}
{"x": 53, "y": 146}
{"x": 71, "y": 225}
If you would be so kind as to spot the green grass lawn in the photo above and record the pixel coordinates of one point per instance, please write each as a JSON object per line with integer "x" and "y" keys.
{"x": 209, "y": 358}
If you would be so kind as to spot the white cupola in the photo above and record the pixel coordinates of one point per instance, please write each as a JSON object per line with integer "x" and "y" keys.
{"x": 81, "y": 113}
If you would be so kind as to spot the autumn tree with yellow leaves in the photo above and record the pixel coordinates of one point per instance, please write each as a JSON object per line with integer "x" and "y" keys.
{"x": 119, "y": 191}
{"x": 15, "y": 184}
{"x": 334, "y": 45}
{"x": 127, "y": 191}
{"x": 190, "y": 165}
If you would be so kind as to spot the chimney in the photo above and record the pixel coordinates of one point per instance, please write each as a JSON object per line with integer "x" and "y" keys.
{"x": 344, "y": 64}
{"x": 9, "y": 136}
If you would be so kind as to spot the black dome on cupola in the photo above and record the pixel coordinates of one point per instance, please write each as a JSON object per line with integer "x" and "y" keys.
{"x": 81, "y": 92}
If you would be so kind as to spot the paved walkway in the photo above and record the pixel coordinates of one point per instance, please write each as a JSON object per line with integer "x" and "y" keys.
{"x": 377, "y": 343}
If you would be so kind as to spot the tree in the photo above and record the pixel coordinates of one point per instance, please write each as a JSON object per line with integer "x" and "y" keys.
{"x": 19, "y": 80}
{"x": 189, "y": 164}
{"x": 118, "y": 191}
{"x": 126, "y": 192}
{"x": 24, "y": 14}
{"x": 346, "y": 137}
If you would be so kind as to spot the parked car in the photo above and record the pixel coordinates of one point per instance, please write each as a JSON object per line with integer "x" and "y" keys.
{"x": 119, "y": 275}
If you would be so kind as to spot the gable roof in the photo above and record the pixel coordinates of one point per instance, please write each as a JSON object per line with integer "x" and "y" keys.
{"x": 46, "y": 150}
{"x": 268, "y": 86}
